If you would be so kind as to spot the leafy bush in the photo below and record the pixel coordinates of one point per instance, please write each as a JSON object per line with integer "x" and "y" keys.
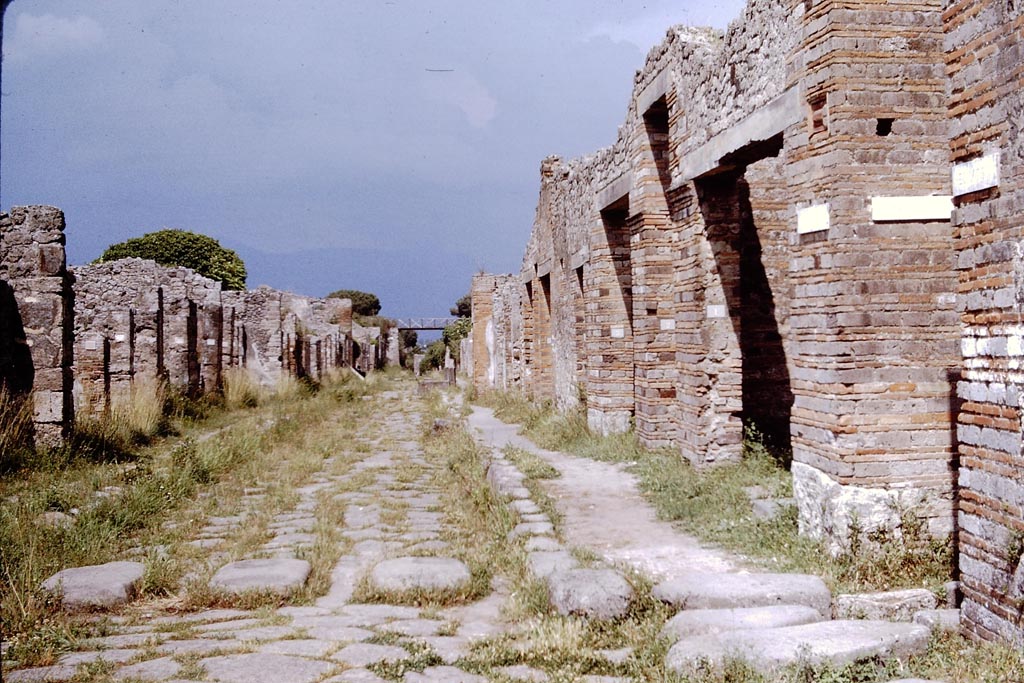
{"x": 172, "y": 247}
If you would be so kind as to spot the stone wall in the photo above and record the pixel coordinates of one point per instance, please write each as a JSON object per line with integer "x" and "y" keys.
{"x": 83, "y": 337}
{"x": 765, "y": 246}
{"x": 986, "y": 82}
{"x": 36, "y": 353}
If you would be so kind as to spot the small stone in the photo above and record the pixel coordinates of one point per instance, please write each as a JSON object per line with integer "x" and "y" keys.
{"x": 443, "y": 674}
{"x": 593, "y": 593}
{"x": 532, "y": 529}
{"x": 944, "y": 620}
{"x": 41, "y": 674}
{"x": 55, "y": 519}
{"x": 98, "y": 586}
{"x": 544, "y": 563}
{"x": 420, "y": 573}
{"x": 259, "y": 666}
{"x": 304, "y": 647}
{"x": 616, "y": 656}
{"x": 280, "y": 576}
{"x": 356, "y": 676}
{"x": 417, "y": 628}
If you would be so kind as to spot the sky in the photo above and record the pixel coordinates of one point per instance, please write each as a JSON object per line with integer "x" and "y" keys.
{"x": 392, "y": 146}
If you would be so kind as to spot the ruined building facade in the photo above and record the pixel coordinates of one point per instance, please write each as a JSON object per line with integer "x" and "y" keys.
{"x": 811, "y": 226}
{"x": 72, "y": 340}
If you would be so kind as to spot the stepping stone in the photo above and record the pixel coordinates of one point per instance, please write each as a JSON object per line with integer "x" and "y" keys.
{"x": 364, "y": 654}
{"x": 888, "y": 606}
{"x": 419, "y": 573}
{"x": 544, "y": 563}
{"x": 542, "y": 543}
{"x": 834, "y": 642}
{"x": 259, "y": 667}
{"x": 593, "y": 593}
{"x": 532, "y": 529}
{"x": 280, "y": 576}
{"x": 704, "y": 590}
{"x": 945, "y": 620}
{"x": 152, "y": 670}
{"x": 98, "y": 586}
{"x": 694, "y": 622}
{"x": 525, "y": 507}
{"x": 443, "y": 674}
{"x": 112, "y": 656}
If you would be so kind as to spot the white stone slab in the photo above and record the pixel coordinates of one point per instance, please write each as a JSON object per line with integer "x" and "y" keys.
{"x": 717, "y": 311}
{"x": 976, "y": 174}
{"x": 667, "y": 323}
{"x": 812, "y": 219}
{"x": 921, "y": 208}
{"x": 618, "y": 332}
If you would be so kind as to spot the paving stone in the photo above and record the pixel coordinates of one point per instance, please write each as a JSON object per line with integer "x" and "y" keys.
{"x": 98, "y": 586}
{"x": 419, "y": 573}
{"x": 889, "y": 606}
{"x": 617, "y": 656}
{"x": 413, "y": 627}
{"x": 432, "y": 547}
{"x": 702, "y": 590}
{"x": 525, "y": 507}
{"x": 197, "y": 646}
{"x": 593, "y": 593}
{"x": 521, "y": 672}
{"x": 260, "y": 667}
{"x": 370, "y": 611}
{"x": 543, "y": 543}
{"x": 443, "y": 674}
{"x": 264, "y": 633}
{"x": 364, "y": 654}
{"x": 280, "y": 576}
{"x": 356, "y": 676}
{"x": 544, "y": 563}
{"x": 303, "y": 611}
{"x": 124, "y": 640}
{"x": 228, "y": 625}
{"x": 204, "y": 543}
{"x": 449, "y": 648}
{"x": 114, "y": 656}
{"x": 604, "y": 679}
{"x": 335, "y": 621}
{"x": 694, "y": 622}
{"x": 946, "y": 620}
{"x": 532, "y": 529}
{"x": 40, "y": 674}
{"x": 305, "y": 647}
{"x": 535, "y": 518}
{"x": 205, "y": 615}
{"x": 836, "y": 642}
{"x": 287, "y": 539}
{"x": 350, "y": 634}
{"x": 151, "y": 670}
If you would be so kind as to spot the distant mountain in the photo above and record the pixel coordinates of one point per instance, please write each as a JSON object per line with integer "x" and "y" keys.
{"x": 408, "y": 282}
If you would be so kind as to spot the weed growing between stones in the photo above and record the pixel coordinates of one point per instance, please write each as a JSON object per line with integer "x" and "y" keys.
{"x": 531, "y": 465}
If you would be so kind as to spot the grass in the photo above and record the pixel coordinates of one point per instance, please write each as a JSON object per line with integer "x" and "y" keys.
{"x": 155, "y": 498}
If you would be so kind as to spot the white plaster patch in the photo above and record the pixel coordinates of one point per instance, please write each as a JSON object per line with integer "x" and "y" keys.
{"x": 976, "y": 174}
{"x": 618, "y": 332}
{"x": 119, "y": 337}
{"x": 921, "y": 208}
{"x": 211, "y": 342}
{"x": 178, "y": 340}
{"x": 667, "y": 323}
{"x": 716, "y": 311}
{"x": 91, "y": 345}
{"x": 812, "y": 219}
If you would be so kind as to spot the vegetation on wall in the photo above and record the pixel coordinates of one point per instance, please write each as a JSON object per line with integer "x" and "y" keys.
{"x": 463, "y": 307}
{"x": 173, "y": 247}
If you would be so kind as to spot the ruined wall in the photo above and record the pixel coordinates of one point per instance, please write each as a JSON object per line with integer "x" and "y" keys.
{"x": 986, "y": 107}
{"x": 765, "y": 246}
{"x": 36, "y": 317}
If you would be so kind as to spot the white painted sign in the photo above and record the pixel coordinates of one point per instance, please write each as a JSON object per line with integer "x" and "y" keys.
{"x": 667, "y": 323}
{"x": 618, "y": 332}
{"x": 716, "y": 311}
{"x": 91, "y": 345}
{"x": 812, "y": 219}
{"x": 976, "y": 174}
{"x": 920, "y": 208}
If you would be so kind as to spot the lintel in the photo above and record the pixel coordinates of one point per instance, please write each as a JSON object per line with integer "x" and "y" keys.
{"x": 654, "y": 91}
{"x": 615, "y": 190}
{"x": 544, "y": 268}
{"x": 526, "y": 275}
{"x": 578, "y": 259}
{"x": 763, "y": 124}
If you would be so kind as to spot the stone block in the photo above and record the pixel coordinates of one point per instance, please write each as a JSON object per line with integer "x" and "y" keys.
{"x": 95, "y": 587}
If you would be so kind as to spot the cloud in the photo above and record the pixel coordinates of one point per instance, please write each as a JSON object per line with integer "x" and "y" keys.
{"x": 48, "y": 35}
{"x": 467, "y": 93}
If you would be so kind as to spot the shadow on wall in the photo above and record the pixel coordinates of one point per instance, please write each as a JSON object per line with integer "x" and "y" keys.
{"x": 16, "y": 370}
{"x": 767, "y": 397}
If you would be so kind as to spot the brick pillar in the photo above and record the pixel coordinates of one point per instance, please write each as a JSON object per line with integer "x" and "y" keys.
{"x": 39, "y": 328}
{"x": 872, "y": 320}
{"x": 482, "y": 301}
{"x": 986, "y": 78}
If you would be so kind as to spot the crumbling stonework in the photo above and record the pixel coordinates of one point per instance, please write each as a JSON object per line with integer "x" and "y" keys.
{"x": 81, "y": 338}
{"x": 766, "y": 245}
{"x": 36, "y": 317}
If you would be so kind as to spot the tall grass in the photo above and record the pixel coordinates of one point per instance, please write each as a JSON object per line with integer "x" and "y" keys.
{"x": 15, "y": 429}
{"x": 242, "y": 389}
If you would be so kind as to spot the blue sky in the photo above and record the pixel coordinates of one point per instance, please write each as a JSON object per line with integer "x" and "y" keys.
{"x": 391, "y": 146}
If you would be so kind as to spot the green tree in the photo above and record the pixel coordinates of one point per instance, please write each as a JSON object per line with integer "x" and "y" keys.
{"x": 433, "y": 358}
{"x": 173, "y": 247}
{"x": 463, "y": 307}
{"x": 407, "y": 338}
{"x": 363, "y": 303}
{"x": 456, "y": 332}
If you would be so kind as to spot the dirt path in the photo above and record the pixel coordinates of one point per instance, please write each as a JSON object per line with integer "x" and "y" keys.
{"x": 604, "y": 511}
